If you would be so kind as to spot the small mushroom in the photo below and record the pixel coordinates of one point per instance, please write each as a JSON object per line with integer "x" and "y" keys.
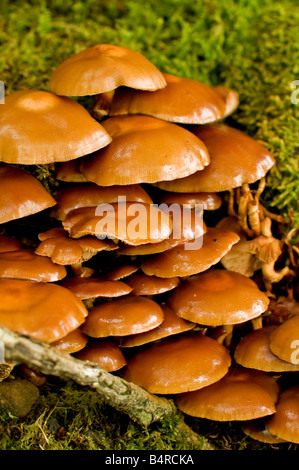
{"x": 142, "y": 284}
{"x": 187, "y": 259}
{"x": 208, "y": 201}
{"x": 171, "y": 325}
{"x": 129, "y": 222}
{"x": 72, "y": 342}
{"x": 235, "y": 159}
{"x": 285, "y": 422}
{"x": 256, "y": 430}
{"x": 103, "y": 352}
{"x": 41, "y": 310}
{"x": 178, "y": 364}
{"x": 168, "y": 151}
{"x": 91, "y": 288}
{"x": 218, "y": 297}
{"x": 102, "y": 68}
{"x": 242, "y": 394}
{"x": 25, "y": 264}
{"x": 21, "y": 194}
{"x": 49, "y": 128}
{"x": 8, "y": 243}
{"x": 284, "y": 342}
{"x": 253, "y": 352}
{"x": 75, "y": 196}
{"x": 183, "y": 100}
{"x": 127, "y": 315}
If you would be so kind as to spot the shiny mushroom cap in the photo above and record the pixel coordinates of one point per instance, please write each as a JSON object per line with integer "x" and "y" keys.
{"x": 178, "y": 364}
{"x": 236, "y": 159}
{"x": 63, "y": 250}
{"x": 142, "y": 284}
{"x": 103, "y": 352}
{"x": 253, "y": 351}
{"x": 103, "y": 68}
{"x": 171, "y": 325}
{"x": 218, "y": 297}
{"x": 285, "y": 422}
{"x": 144, "y": 149}
{"x": 183, "y": 100}
{"x": 284, "y": 341}
{"x": 92, "y": 288}
{"x": 21, "y": 194}
{"x": 124, "y": 316}
{"x": 41, "y": 310}
{"x": 192, "y": 257}
{"x": 25, "y": 264}
{"x": 72, "y": 342}
{"x": 208, "y": 201}
{"x": 242, "y": 394}
{"x": 131, "y": 223}
{"x": 75, "y": 196}
{"x": 49, "y": 129}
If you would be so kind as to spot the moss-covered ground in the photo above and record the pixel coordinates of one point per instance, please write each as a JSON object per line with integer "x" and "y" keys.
{"x": 249, "y": 45}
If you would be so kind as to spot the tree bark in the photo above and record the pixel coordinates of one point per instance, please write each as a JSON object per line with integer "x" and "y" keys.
{"x": 140, "y": 405}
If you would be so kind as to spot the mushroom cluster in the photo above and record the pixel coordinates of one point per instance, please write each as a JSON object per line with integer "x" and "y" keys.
{"x": 154, "y": 257}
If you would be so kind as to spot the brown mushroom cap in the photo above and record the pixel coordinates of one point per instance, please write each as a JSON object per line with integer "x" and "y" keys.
{"x": 184, "y": 227}
{"x": 209, "y": 201}
{"x": 124, "y": 316}
{"x": 256, "y": 430}
{"x": 103, "y": 68}
{"x": 121, "y": 271}
{"x": 285, "y": 422}
{"x": 64, "y": 250}
{"x": 218, "y": 297}
{"x": 75, "y": 196}
{"x": 49, "y": 129}
{"x": 133, "y": 223}
{"x": 25, "y": 264}
{"x": 171, "y": 325}
{"x": 92, "y": 288}
{"x": 235, "y": 159}
{"x": 142, "y": 284}
{"x": 284, "y": 341}
{"x": 179, "y": 261}
{"x": 178, "y": 364}
{"x": 21, "y": 194}
{"x": 253, "y": 351}
{"x": 8, "y": 243}
{"x": 242, "y": 394}
{"x": 103, "y": 352}
{"x": 183, "y": 100}
{"x": 72, "y": 342}
{"x": 41, "y": 310}
{"x": 144, "y": 150}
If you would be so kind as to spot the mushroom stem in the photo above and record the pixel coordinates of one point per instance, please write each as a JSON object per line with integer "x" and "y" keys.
{"x": 257, "y": 322}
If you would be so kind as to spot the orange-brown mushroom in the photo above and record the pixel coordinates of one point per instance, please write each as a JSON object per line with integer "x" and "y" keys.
{"x": 41, "y": 310}
{"x": 285, "y": 422}
{"x": 8, "y": 243}
{"x": 25, "y": 264}
{"x": 21, "y": 194}
{"x": 92, "y": 288}
{"x": 218, "y": 297}
{"x": 253, "y": 352}
{"x": 208, "y": 201}
{"x": 171, "y": 325}
{"x": 103, "y": 352}
{"x": 242, "y": 394}
{"x": 284, "y": 340}
{"x": 256, "y": 430}
{"x": 144, "y": 149}
{"x": 178, "y": 364}
{"x": 72, "y": 342}
{"x": 121, "y": 271}
{"x": 187, "y": 259}
{"x": 124, "y": 316}
{"x": 236, "y": 159}
{"x": 129, "y": 222}
{"x": 103, "y": 68}
{"x": 75, "y": 196}
{"x": 183, "y": 100}
{"x": 142, "y": 284}
{"x": 38, "y": 127}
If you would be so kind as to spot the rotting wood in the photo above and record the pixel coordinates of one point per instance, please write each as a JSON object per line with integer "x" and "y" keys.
{"x": 140, "y": 405}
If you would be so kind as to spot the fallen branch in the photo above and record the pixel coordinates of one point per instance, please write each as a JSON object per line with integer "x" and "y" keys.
{"x": 141, "y": 406}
